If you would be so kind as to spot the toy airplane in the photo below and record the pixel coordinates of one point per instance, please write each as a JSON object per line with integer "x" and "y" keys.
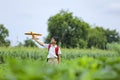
{"x": 33, "y": 34}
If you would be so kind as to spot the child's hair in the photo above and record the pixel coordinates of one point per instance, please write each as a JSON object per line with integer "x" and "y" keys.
{"x": 56, "y": 39}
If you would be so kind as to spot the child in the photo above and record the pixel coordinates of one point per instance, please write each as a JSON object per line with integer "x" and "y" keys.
{"x": 54, "y": 51}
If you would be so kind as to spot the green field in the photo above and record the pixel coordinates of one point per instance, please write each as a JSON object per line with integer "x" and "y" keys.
{"x": 76, "y": 64}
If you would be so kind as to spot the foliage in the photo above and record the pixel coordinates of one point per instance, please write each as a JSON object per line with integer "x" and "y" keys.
{"x": 4, "y": 33}
{"x": 97, "y": 38}
{"x": 84, "y": 68}
{"x": 114, "y": 47}
{"x": 112, "y": 36}
{"x": 73, "y": 32}
{"x": 77, "y": 64}
{"x": 29, "y": 43}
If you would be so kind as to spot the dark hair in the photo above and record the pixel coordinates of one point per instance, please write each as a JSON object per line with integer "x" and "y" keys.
{"x": 56, "y": 39}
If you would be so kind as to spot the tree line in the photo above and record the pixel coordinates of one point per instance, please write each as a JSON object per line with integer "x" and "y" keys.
{"x": 72, "y": 31}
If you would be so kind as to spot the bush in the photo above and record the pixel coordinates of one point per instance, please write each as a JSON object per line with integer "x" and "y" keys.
{"x": 114, "y": 47}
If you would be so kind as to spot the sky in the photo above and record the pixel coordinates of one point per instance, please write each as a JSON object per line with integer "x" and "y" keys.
{"x": 20, "y": 16}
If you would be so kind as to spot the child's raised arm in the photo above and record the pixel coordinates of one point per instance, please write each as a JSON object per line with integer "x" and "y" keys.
{"x": 40, "y": 43}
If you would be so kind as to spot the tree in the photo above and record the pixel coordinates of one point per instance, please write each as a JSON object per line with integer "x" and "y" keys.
{"x": 97, "y": 38}
{"x": 112, "y": 36}
{"x": 29, "y": 43}
{"x": 70, "y": 30}
{"x": 74, "y": 32}
{"x": 20, "y": 44}
{"x": 4, "y": 33}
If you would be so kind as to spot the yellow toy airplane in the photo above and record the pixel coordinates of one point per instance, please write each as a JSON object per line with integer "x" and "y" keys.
{"x": 33, "y": 34}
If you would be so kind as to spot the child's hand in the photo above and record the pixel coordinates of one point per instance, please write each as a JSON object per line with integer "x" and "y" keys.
{"x": 34, "y": 38}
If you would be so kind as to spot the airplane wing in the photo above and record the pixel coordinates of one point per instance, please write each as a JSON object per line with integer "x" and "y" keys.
{"x": 32, "y": 33}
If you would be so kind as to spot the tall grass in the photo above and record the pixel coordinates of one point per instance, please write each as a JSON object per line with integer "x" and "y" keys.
{"x": 76, "y": 64}
{"x": 41, "y": 54}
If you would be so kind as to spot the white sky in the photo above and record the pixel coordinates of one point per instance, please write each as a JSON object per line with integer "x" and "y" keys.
{"x": 20, "y": 16}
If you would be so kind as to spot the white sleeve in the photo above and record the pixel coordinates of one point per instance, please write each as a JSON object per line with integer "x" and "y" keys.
{"x": 37, "y": 44}
{"x": 45, "y": 45}
{"x": 59, "y": 51}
